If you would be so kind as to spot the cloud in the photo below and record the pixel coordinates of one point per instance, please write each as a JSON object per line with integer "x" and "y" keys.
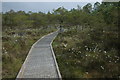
{"x": 52, "y": 1}
{"x": 40, "y": 6}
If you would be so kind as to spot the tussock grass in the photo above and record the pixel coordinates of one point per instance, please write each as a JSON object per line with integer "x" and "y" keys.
{"x": 16, "y": 47}
{"x": 79, "y": 55}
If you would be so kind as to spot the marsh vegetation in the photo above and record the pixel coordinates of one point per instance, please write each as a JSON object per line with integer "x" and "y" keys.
{"x": 86, "y": 48}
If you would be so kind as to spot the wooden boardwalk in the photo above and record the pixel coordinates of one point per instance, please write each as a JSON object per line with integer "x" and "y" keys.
{"x": 41, "y": 61}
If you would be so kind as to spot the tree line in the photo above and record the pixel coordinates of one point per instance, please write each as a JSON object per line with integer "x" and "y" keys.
{"x": 89, "y": 46}
{"x": 103, "y": 18}
{"x": 100, "y": 24}
{"x": 101, "y": 14}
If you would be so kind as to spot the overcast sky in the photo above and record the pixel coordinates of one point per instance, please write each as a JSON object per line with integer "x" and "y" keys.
{"x": 51, "y": 0}
{"x": 41, "y": 6}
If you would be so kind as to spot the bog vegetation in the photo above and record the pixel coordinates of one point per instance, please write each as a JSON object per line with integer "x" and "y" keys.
{"x": 87, "y": 48}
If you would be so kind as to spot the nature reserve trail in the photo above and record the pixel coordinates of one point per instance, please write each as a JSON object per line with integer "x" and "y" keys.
{"x": 41, "y": 61}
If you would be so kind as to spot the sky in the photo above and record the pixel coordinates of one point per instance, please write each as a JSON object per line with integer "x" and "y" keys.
{"x": 42, "y": 5}
{"x": 51, "y": 0}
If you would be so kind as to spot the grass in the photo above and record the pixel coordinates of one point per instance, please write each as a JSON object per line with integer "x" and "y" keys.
{"x": 15, "y": 48}
{"x": 81, "y": 56}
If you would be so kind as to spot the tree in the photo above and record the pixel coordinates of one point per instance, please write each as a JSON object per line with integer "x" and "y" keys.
{"x": 87, "y": 8}
{"x": 60, "y": 14}
{"x": 96, "y": 6}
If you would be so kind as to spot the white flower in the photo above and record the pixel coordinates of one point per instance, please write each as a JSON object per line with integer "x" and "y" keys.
{"x": 117, "y": 59}
{"x": 87, "y": 49}
{"x": 85, "y": 46}
{"x": 99, "y": 50}
{"x": 94, "y": 51}
{"x": 105, "y": 52}
{"x": 6, "y": 52}
{"x": 72, "y": 48}
{"x": 86, "y": 72}
{"x": 65, "y": 45}
{"x": 102, "y": 67}
{"x": 78, "y": 61}
{"x": 69, "y": 49}
{"x": 108, "y": 55}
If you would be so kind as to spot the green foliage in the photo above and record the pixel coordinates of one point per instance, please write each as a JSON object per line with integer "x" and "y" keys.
{"x": 16, "y": 47}
{"x": 87, "y": 8}
{"x": 89, "y": 47}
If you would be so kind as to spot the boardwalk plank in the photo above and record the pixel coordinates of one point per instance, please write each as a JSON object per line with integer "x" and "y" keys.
{"x": 40, "y": 62}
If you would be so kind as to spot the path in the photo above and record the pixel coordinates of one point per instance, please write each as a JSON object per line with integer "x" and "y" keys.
{"x": 41, "y": 61}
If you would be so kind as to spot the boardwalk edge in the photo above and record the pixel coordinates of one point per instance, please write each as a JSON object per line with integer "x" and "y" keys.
{"x": 20, "y": 73}
{"x": 57, "y": 68}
